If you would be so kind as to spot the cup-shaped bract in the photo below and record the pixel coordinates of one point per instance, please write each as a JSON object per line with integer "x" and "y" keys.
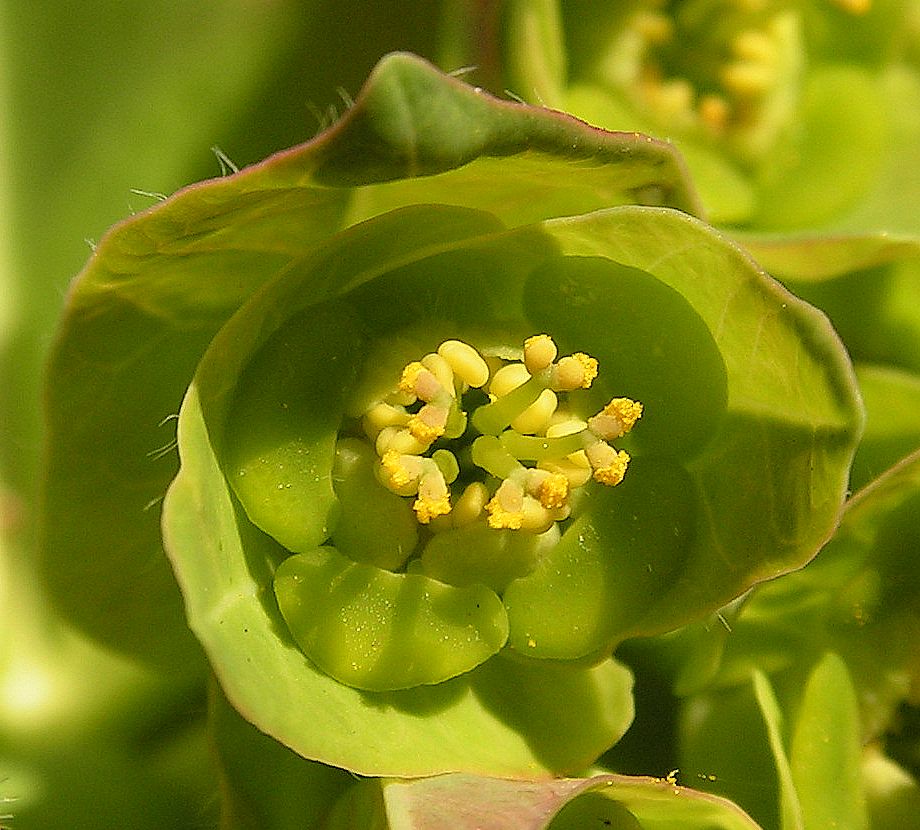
{"x": 285, "y": 305}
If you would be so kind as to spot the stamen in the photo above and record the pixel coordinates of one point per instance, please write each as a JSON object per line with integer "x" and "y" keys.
{"x": 854, "y": 6}
{"x": 615, "y": 419}
{"x": 409, "y": 379}
{"x": 506, "y": 509}
{"x": 576, "y": 371}
{"x": 609, "y": 465}
{"x": 428, "y": 424}
{"x": 714, "y": 112}
{"x": 537, "y": 416}
{"x": 514, "y": 389}
{"x": 730, "y": 71}
{"x": 550, "y": 489}
{"x": 400, "y": 473}
{"x": 433, "y": 494}
{"x": 441, "y": 369}
{"x": 530, "y": 453}
{"x": 575, "y": 468}
{"x": 655, "y": 28}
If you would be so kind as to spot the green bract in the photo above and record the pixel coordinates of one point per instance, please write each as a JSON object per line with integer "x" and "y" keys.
{"x": 820, "y": 671}
{"x": 274, "y": 304}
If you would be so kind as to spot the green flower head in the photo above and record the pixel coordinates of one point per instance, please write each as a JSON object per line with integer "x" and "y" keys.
{"x": 467, "y": 397}
{"x": 791, "y": 115}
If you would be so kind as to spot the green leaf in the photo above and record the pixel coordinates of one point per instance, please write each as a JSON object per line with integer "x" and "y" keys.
{"x": 792, "y": 815}
{"x": 157, "y": 84}
{"x": 826, "y": 750}
{"x": 790, "y": 808}
{"x": 451, "y": 278}
{"x": 778, "y": 453}
{"x": 381, "y": 529}
{"x": 875, "y": 311}
{"x": 207, "y": 281}
{"x": 726, "y": 191}
{"x": 892, "y": 400}
{"x": 620, "y": 556}
{"x": 468, "y": 802}
{"x": 282, "y": 425}
{"x": 879, "y": 223}
{"x": 856, "y": 599}
{"x": 837, "y": 158}
{"x": 712, "y": 756}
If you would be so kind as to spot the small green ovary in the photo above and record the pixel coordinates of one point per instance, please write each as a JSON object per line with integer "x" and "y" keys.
{"x": 379, "y": 631}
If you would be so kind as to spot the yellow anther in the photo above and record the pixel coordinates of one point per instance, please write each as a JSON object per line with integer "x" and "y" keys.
{"x": 433, "y": 495}
{"x": 616, "y": 419}
{"x": 537, "y": 416}
{"x": 854, "y": 6}
{"x": 655, "y": 28}
{"x": 419, "y": 381}
{"x": 427, "y": 425}
{"x": 609, "y": 465}
{"x": 409, "y": 376}
{"x": 576, "y": 371}
{"x": 466, "y": 363}
{"x": 575, "y": 468}
{"x": 673, "y": 98}
{"x": 539, "y": 352}
{"x": 506, "y": 509}
{"x": 428, "y": 508}
{"x": 553, "y": 491}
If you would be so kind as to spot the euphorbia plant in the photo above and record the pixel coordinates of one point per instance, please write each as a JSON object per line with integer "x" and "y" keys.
{"x": 467, "y": 397}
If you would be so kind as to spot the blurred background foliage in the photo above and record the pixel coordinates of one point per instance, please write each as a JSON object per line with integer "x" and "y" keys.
{"x": 108, "y": 106}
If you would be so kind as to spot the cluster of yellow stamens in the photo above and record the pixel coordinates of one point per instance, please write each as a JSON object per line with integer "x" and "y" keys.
{"x": 522, "y": 454}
